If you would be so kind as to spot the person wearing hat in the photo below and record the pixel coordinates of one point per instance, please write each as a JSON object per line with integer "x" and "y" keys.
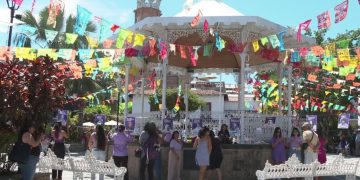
{"x": 311, "y": 141}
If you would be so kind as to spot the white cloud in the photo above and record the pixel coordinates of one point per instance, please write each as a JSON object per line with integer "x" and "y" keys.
{"x": 125, "y": 16}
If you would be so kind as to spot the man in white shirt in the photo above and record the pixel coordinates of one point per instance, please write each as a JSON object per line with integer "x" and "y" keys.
{"x": 312, "y": 139}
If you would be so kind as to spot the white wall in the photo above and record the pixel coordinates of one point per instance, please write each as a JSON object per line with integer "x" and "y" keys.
{"x": 216, "y": 106}
{"x": 231, "y": 106}
{"x": 136, "y": 108}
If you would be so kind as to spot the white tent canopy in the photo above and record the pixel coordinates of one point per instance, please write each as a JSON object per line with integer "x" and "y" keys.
{"x": 88, "y": 124}
{"x": 111, "y": 123}
{"x": 208, "y": 8}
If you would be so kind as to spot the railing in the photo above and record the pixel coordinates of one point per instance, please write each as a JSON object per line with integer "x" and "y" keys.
{"x": 254, "y": 126}
{"x": 292, "y": 168}
{"x": 87, "y": 165}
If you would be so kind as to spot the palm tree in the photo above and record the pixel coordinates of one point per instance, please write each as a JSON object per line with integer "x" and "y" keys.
{"x": 59, "y": 41}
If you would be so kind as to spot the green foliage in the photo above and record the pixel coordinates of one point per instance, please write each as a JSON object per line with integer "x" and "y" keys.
{"x": 98, "y": 109}
{"x": 195, "y": 102}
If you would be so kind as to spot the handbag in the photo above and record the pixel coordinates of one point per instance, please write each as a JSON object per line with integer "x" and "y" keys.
{"x": 20, "y": 153}
{"x": 138, "y": 152}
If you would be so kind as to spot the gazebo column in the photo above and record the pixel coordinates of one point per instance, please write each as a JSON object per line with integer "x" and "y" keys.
{"x": 143, "y": 76}
{"x": 164, "y": 86}
{"x": 281, "y": 67}
{"x": 127, "y": 75}
{"x": 289, "y": 93}
{"x": 239, "y": 92}
{"x": 243, "y": 57}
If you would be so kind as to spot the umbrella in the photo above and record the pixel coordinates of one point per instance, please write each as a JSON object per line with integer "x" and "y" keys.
{"x": 111, "y": 123}
{"x": 88, "y": 124}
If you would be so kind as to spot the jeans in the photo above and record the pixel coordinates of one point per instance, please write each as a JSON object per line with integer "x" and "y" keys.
{"x": 122, "y": 162}
{"x": 28, "y": 169}
{"x": 158, "y": 172}
{"x": 99, "y": 155}
{"x": 150, "y": 168}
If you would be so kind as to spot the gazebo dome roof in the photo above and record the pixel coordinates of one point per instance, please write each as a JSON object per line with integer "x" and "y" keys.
{"x": 209, "y": 8}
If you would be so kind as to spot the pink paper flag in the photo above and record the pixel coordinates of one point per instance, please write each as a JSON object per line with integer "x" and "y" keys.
{"x": 324, "y": 20}
{"x": 206, "y": 26}
{"x": 196, "y": 19}
{"x": 17, "y": 2}
{"x": 341, "y": 11}
{"x": 303, "y": 26}
{"x": 163, "y": 51}
{"x": 192, "y": 56}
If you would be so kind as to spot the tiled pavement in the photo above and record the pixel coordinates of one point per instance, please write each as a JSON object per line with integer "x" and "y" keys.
{"x": 68, "y": 175}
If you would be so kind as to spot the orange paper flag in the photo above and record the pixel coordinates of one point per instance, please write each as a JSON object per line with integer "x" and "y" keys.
{"x": 337, "y": 86}
{"x": 356, "y": 84}
{"x": 312, "y": 78}
{"x": 317, "y": 50}
{"x": 350, "y": 77}
{"x": 196, "y": 19}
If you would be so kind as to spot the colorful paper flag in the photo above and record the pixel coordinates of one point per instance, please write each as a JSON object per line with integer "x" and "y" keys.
{"x": 350, "y": 77}
{"x": 208, "y": 50}
{"x": 152, "y": 43}
{"x": 192, "y": 56}
{"x": 264, "y": 40}
{"x": 108, "y": 43}
{"x": 312, "y": 78}
{"x": 343, "y": 44}
{"x": 122, "y": 36}
{"x": 196, "y": 19}
{"x": 220, "y": 43}
{"x": 182, "y": 52}
{"x": 173, "y": 48}
{"x": 114, "y": 27}
{"x": 343, "y": 54}
{"x": 341, "y": 11}
{"x": 281, "y": 40}
{"x": 104, "y": 30}
{"x": 324, "y": 20}
{"x": 163, "y": 50}
{"x": 93, "y": 43}
{"x": 317, "y": 50}
{"x": 303, "y": 26}
{"x": 17, "y": 2}
{"x": 28, "y": 30}
{"x": 25, "y": 53}
{"x": 139, "y": 40}
{"x": 255, "y": 45}
{"x": 70, "y": 38}
{"x": 295, "y": 56}
{"x": 274, "y": 41}
{"x": 358, "y": 53}
{"x": 55, "y": 7}
{"x": 67, "y": 54}
{"x": 50, "y": 35}
{"x": 303, "y": 52}
{"x": 82, "y": 19}
{"x": 206, "y": 27}
{"x": 47, "y": 52}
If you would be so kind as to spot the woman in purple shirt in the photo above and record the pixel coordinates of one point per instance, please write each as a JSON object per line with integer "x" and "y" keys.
{"x": 278, "y": 147}
{"x": 120, "y": 151}
{"x": 295, "y": 143}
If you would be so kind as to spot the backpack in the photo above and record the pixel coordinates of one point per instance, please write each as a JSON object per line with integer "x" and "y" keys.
{"x": 152, "y": 151}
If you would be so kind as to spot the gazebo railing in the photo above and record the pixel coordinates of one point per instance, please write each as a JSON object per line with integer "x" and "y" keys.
{"x": 254, "y": 126}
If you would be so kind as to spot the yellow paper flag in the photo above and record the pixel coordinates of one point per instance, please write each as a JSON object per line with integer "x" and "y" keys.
{"x": 343, "y": 54}
{"x": 93, "y": 43}
{"x": 25, "y": 53}
{"x": 331, "y": 49}
{"x": 255, "y": 45}
{"x": 139, "y": 40}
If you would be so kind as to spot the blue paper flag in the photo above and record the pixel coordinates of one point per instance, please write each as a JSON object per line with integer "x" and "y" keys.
{"x": 82, "y": 19}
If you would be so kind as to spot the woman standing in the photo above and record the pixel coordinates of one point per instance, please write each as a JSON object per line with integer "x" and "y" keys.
{"x": 174, "y": 157}
{"x": 322, "y": 152}
{"x": 120, "y": 151}
{"x": 203, "y": 149}
{"x": 295, "y": 143}
{"x": 224, "y": 135}
{"x": 27, "y": 137}
{"x": 97, "y": 145}
{"x": 216, "y": 155}
{"x": 149, "y": 141}
{"x": 278, "y": 147}
{"x": 59, "y": 136}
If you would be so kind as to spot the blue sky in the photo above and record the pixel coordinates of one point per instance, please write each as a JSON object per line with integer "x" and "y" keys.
{"x": 283, "y": 12}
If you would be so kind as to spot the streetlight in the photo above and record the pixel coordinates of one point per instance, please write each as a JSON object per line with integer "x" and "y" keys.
{"x": 13, "y": 5}
{"x": 118, "y": 85}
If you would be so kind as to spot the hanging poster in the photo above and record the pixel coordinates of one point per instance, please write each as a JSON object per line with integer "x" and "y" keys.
{"x": 130, "y": 123}
{"x": 341, "y": 11}
{"x": 235, "y": 124}
{"x": 100, "y": 119}
{"x": 270, "y": 122}
{"x": 168, "y": 124}
{"x": 344, "y": 119}
{"x": 61, "y": 117}
{"x": 196, "y": 123}
{"x": 312, "y": 119}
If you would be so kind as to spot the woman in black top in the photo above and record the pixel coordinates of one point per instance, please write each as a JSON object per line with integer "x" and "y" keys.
{"x": 216, "y": 155}
{"x": 32, "y": 139}
{"x": 224, "y": 135}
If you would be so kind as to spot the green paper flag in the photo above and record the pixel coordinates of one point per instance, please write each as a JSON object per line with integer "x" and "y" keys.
{"x": 343, "y": 44}
{"x": 274, "y": 40}
{"x": 70, "y": 38}
{"x": 264, "y": 40}
{"x": 208, "y": 50}
{"x": 123, "y": 34}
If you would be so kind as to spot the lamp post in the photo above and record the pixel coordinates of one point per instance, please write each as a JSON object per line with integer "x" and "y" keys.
{"x": 118, "y": 85}
{"x": 13, "y": 7}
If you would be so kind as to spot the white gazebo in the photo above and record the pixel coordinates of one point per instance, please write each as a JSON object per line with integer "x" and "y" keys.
{"x": 235, "y": 28}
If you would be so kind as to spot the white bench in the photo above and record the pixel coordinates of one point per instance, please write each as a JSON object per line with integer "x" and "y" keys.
{"x": 87, "y": 165}
{"x": 292, "y": 168}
